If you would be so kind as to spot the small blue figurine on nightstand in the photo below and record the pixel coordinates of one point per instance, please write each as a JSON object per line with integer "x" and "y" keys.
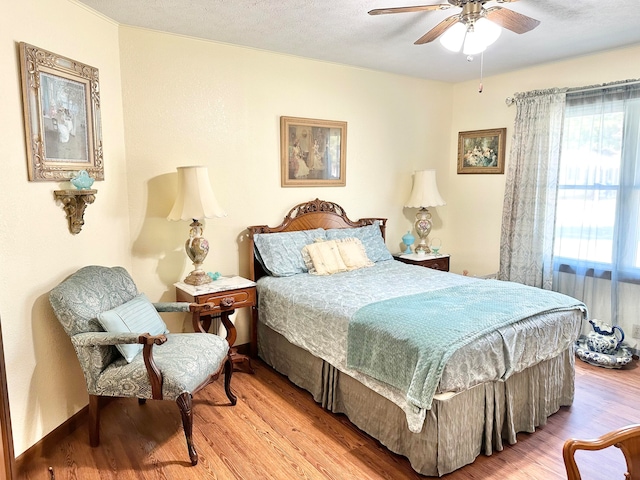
{"x": 408, "y": 240}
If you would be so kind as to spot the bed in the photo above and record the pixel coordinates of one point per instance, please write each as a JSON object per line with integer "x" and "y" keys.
{"x": 504, "y": 379}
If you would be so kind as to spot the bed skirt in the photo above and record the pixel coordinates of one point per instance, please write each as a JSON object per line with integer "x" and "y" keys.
{"x": 457, "y": 429}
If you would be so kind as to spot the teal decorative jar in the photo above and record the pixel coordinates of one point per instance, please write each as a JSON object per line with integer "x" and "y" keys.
{"x": 82, "y": 181}
{"x": 408, "y": 240}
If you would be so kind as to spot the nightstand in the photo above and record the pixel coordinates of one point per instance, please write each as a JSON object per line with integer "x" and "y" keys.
{"x": 437, "y": 262}
{"x": 226, "y": 294}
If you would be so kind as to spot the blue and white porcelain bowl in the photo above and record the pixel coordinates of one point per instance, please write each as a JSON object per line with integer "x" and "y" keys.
{"x": 618, "y": 359}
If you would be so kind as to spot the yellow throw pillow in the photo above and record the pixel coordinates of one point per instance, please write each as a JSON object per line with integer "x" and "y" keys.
{"x": 353, "y": 253}
{"x": 325, "y": 257}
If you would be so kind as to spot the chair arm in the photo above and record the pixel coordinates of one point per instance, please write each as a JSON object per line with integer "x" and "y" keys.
{"x": 172, "y": 306}
{"x": 155, "y": 376}
{"x": 94, "y": 339}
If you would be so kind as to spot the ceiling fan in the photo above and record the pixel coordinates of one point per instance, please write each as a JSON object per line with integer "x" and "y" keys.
{"x": 469, "y": 19}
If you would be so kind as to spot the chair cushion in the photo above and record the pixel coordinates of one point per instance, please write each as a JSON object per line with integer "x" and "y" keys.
{"x": 185, "y": 361}
{"x": 135, "y": 316}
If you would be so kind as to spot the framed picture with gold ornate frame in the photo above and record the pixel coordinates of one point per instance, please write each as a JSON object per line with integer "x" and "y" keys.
{"x": 313, "y": 153}
{"x": 481, "y": 151}
{"x": 61, "y": 100}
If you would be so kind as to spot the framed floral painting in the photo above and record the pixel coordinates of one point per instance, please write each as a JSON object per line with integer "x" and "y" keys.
{"x": 481, "y": 151}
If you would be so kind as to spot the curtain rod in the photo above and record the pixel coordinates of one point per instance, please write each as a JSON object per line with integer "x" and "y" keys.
{"x": 511, "y": 100}
{"x": 604, "y": 86}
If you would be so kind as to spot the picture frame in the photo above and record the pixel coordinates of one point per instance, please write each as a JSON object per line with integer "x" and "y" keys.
{"x": 61, "y": 101}
{"x": 481, "y": 151}
{"x": 313, "y": 153}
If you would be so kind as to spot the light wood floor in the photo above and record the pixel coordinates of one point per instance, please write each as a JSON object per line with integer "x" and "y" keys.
{"x": 276, "y": 431}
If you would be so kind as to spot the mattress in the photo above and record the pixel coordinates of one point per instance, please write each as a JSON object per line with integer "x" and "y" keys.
{"x": 313, "y": 313}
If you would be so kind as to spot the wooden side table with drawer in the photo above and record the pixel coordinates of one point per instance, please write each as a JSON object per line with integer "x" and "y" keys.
{"x": 437, "y": 262}
{"x": 227, "y": 294}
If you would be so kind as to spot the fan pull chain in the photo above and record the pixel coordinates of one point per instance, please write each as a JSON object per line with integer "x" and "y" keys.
{"x": 480, "y": 87}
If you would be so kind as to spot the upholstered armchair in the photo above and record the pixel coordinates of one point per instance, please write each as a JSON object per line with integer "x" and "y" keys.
{"x": 125, "y": 350}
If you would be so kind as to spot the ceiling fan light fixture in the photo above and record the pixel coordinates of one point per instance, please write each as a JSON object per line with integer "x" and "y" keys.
{"x": 488, "y": 31}
{"x": 480, "y": 34}
{"x": 473, "y": 43}
{"x": 453, "y": 38}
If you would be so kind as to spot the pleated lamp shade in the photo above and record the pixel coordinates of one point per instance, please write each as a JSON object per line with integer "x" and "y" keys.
{"x": 195, "y": 199}
{"x": 425, "y": 191}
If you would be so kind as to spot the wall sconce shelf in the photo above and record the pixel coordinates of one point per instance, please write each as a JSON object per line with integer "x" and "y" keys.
{"x": 74, "y": 203}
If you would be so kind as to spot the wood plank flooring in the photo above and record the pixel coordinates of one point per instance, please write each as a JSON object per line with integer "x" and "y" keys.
{"x": 277, "y": 431}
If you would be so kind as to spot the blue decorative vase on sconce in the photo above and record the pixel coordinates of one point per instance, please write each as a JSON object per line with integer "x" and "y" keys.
{"x": 82, "y": 181}
{"x": 408, "y": 240}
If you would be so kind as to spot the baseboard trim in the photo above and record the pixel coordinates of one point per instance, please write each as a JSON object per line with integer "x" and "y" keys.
{"x": 55, "y": 436}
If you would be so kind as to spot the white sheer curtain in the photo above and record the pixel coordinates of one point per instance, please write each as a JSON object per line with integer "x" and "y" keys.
{"x": 526, "y": 243}
{"x": 597, "y": 237}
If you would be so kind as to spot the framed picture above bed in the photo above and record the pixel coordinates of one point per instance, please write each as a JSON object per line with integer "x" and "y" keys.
{"x": 61, "y": 100}
{"x": 313, "y": 153}
{"x": 481, "y": 151}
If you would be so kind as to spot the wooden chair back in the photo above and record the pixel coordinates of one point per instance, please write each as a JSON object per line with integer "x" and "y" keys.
{"x": 627, "y": 439}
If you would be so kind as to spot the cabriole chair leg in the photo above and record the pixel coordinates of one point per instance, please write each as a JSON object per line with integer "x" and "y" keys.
{"x": 184, "y": 403}
{"x": 228, "y": 371}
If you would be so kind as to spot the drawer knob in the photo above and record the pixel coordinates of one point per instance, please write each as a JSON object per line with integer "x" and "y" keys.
{"x": 227, "y": 301}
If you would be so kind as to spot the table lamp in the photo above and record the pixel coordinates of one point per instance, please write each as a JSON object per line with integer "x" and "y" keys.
{"x": 195, "y": 201}
{"x": 424, "y": 194}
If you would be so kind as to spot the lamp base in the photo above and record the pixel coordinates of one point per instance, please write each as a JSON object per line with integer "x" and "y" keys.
{"x": 197, "y": 249}
{"x": 423, "y": 228}
{"x": 197, "y": 277}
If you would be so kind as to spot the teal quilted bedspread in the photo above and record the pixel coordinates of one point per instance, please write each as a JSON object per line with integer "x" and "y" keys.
{"x": 407, "y": 341}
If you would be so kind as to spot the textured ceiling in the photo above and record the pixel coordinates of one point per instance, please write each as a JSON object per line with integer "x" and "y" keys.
{"x": 341, "y": 31}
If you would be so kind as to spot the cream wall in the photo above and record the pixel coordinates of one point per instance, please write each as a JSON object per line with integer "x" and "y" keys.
{"x": 36, "y": 249}
{"x": 193, "y": 102}
{"x": 189, "y": 102}
{"x": 475, "y": 201}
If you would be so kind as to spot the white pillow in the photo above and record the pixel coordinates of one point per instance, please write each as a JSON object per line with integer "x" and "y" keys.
{"x": 138, "y": 315}
{"x": 370, "y": 236}
{"x": 353, "y": 253}
{"x": 325, "y": 257}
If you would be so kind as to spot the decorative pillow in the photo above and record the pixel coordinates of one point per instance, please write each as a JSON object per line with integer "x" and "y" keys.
{"x": 370, "y": 236}
{"x": 138, "y": 315}
{"x": 353, "y": 253}
{"x": 280, "y": 253}
{"x": 325, "y": 257}
{"x": 306, "y": 258}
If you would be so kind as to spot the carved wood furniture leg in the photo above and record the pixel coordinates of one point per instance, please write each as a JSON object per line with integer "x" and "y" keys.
{"x": 186, "y": 410}
{"x": 236, "y": 358}
{"x": 197, "y": 321}
{"x": 94, "y": 420}
{"x": 228, "y": 372}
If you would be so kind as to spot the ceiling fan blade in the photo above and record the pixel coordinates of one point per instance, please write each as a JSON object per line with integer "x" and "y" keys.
{"x": 418, "y": 8}
{"x": 514, "y": 21}
{"x": 438, "y": 30}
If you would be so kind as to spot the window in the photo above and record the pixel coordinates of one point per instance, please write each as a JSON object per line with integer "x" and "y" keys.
{"x": 597, "y": 213}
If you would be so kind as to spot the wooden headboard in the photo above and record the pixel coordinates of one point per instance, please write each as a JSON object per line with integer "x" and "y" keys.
{"x": 307, "y": 216}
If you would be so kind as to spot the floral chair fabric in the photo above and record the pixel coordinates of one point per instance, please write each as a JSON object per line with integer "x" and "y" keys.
{"x": 184, "y": 363}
